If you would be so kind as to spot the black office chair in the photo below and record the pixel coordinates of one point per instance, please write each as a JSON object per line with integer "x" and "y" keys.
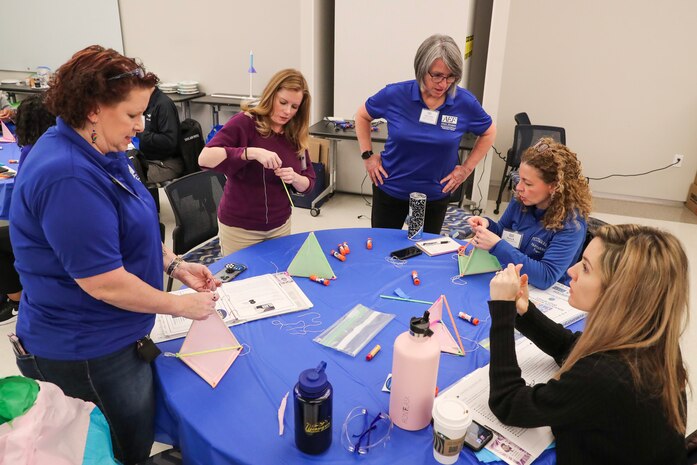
{"x": 525, "y": 136}
{"x": 194, "y": 199}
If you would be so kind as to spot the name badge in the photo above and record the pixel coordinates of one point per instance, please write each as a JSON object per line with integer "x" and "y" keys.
{"x": 512, "y": 237}
{"x": 429, "y": 116}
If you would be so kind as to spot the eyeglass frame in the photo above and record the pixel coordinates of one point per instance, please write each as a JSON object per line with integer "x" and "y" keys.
{"x": 438, "y": 78}
{"x": 365, "y": 434}
{"x": 136, "y": 72}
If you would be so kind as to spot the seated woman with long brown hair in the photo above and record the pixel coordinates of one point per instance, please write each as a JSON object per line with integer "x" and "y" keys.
{"x": 619, "y": 396}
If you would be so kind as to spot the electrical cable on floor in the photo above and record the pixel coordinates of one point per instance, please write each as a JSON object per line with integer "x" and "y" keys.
{"x": 632, "y": 175}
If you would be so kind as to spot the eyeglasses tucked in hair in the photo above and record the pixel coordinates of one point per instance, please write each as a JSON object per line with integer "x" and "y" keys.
{"x": 438, "y": 78}
{"x": 137, "y": 72}
{"x": 540, "y": 147}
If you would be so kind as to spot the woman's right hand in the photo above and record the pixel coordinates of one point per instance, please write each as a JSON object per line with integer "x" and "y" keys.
{"x": 268, "y": 159}
{"x": 522, "y": 300}
{"x": 474, "y": 221}
{"x": 505, "y": 285}
{"x": 197, "y": 305}
{"x": 373, "y": 166}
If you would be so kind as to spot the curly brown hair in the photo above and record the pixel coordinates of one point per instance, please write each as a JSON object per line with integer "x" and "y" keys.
{"x": 558, "y": 165}
{"x": 32, "y": 120}
{"x": 94, "y": 76}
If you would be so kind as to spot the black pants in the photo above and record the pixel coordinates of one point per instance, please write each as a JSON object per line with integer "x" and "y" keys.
{"x": 9, "y": 279}
{"x": 389, "y": 212}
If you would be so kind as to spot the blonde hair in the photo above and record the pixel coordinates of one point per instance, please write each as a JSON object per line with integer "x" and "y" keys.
{"x": 641, "y": 312}
{"x": 297, "y": 129}
{"x": 558, "y": 165}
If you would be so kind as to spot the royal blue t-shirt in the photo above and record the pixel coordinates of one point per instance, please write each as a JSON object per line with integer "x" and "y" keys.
{"x": 417, "y": 154}
{"x": 76, "y": 213}
{"x": 546, "y": 254}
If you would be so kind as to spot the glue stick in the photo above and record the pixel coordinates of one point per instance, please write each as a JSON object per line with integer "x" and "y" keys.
{"x": 337, "y": 255}
{"x": 369, "y": 244}
{"x": 415, "y": 278}
{"x": 319, "y": 280}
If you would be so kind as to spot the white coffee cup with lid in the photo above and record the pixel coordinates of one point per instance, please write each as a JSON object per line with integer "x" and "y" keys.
{"x": 451, "y": 418}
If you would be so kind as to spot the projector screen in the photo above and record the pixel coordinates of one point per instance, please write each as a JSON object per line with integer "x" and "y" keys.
{"x": 47, "y": 32}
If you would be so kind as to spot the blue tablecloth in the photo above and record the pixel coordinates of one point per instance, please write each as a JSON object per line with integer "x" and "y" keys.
{"x": 10, "y": 151}
{"x": 237, "y": 421}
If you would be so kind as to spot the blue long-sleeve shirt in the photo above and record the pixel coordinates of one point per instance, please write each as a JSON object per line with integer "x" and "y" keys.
{"x": 545, "y": 254}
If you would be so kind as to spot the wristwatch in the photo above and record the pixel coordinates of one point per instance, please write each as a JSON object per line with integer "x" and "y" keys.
{"x": 367, "y": 154}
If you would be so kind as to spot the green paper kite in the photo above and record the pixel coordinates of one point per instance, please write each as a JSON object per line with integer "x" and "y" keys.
{"x": 311, "y": 260}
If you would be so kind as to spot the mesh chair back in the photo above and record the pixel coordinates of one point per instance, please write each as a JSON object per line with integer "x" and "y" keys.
{"x": 194, "y": 199}
{"x": 527, "y": 135}
{"x": 522, "y": 118}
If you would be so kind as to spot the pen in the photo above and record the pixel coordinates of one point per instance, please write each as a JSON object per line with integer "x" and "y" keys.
{"x": 435, "y": 242}
{"x": 373, "y": 352}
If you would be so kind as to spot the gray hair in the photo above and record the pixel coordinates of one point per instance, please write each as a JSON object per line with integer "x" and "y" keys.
{"x": 443, "y": 47}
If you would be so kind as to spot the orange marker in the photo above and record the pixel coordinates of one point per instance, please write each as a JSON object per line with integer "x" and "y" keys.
{"x": 346, "y": 248}
{"x": 415, "y": 278}
{"x": 373, "y": 352}
{"x": 369, "y": 244}
{"x": 319, "y": 280}
{"x": 337, "y": 255}
{"x": 468, "y": 318}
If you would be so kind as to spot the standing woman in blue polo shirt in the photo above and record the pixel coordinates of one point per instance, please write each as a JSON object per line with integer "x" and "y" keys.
{"x": 426, "y": 118}
{"x": 87, "y": 245}
{"x": 544, "y": 226}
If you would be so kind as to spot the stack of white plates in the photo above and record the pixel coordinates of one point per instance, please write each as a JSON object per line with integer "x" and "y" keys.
{"x": 10, "y": 81}
{"x": 187, "y": 87}
{"x": 168, "y": 87}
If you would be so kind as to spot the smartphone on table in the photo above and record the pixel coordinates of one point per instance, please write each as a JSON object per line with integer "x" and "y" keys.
{"x": 403, "y": 254}
{"x": 477, "y": 436}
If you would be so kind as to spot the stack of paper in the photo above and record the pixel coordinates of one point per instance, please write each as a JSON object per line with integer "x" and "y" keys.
{"x": 438, "y": 246}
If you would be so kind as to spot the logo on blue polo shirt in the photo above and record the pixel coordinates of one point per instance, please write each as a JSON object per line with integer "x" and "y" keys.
{"x": 448, "y": 123}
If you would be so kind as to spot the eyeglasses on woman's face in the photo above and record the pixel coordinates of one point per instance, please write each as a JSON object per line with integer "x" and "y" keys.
{"x": 437, "y": 78}
{"x": 137, "y": 72}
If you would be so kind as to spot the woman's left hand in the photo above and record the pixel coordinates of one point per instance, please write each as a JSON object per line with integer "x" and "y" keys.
{"x": 505, "y": 285}
{"x": 196, "y": 276}
{"x": 484, "y": 239}
{"x": 456, "y": 177}
{"x": 287, "y": 175}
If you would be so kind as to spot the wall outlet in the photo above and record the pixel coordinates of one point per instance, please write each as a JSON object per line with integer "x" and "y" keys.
{"x": 677, "y": 160}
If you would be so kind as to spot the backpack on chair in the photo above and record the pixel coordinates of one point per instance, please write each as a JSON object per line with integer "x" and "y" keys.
{"x": 190, "y": 144}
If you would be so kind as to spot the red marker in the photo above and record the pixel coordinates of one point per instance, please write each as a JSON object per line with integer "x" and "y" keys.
{"x": 468, "y": 318}
{"x": 415, "y": 278}
{"x": 369, "y": 244}
{"x": 337, "y": 255}
{"x": 319, "y": 280}
{"x": 373, "y": 352}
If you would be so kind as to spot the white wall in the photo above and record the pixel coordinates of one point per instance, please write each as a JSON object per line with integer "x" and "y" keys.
{"x": 619, "y": 76}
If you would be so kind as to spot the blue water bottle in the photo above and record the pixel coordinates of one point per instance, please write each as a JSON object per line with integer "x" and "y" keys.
{"x": 313, "y": 411}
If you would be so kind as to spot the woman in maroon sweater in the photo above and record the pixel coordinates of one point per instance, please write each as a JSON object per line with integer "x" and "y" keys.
{"x": 619, "y": 396}
{"x": 258, "y": 150}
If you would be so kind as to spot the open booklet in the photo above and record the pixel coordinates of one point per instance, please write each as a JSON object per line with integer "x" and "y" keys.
{"x": 241, "y": 301}
{"x": 438, "y": 246}
{"x": 554, "y": 303}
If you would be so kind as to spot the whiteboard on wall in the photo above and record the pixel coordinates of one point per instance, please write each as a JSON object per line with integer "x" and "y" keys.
{"x": 375, "y": 43}
{"x": 48, "y": 32}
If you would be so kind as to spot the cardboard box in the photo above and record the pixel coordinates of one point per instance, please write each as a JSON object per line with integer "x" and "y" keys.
{"x": 691, "y": 202}
{"x": 319, "y": 153}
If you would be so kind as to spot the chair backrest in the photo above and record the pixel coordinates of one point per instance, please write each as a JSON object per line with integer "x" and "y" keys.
{"x": 522, "y": 118}
{"x": 527, "y": 135}
{"x": 190, "y": 144}
{"x": 194, "y": 199}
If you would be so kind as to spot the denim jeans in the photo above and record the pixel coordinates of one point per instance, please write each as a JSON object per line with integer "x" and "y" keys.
{"x": 120, "y": 384}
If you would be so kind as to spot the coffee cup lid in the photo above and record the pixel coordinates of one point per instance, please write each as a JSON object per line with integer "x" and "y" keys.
{"x": 451, "y": 413}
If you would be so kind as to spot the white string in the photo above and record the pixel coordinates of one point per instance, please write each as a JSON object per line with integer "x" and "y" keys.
{"x": 477, "y": 345}
{"x": 300, "y": 327}
{"x": 276, "y": 266}
{"x": 396, "y": 262}
{"x": 457, "y": 280}
{"x": 248, "y": 347}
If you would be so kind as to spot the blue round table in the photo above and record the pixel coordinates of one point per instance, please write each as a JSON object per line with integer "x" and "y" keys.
{"x": 237, "y": 421}
{"x": 9, "y": 151}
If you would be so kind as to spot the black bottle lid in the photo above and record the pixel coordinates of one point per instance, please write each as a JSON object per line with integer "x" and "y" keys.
{"x": 313, "y": 382}
{"x": 420, "y": 326}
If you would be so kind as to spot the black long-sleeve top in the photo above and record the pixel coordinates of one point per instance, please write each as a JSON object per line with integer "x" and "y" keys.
{"x": 595, "y": 412}
{"x": 160, "y": 137}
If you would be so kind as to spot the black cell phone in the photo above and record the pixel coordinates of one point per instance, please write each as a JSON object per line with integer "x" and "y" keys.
{"x": 477, "y": 436}
{"x": 230, "y": 271}
{"x": 403, "y": 254}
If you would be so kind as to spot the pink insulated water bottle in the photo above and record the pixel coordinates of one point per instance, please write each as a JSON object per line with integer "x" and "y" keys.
{"x": 414, "y": 375}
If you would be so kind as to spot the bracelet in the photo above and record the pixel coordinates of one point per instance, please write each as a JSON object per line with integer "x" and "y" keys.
{"x": 245, "y": 154}
{"x": 173, "y": 265}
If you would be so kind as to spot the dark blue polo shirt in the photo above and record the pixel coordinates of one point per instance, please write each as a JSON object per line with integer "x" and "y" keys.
{"x": 417, "y": 154}
{"x": 76, "y": 213}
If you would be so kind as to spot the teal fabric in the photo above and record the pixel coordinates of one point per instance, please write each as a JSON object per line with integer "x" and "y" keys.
{"x": 98, "y": 449}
